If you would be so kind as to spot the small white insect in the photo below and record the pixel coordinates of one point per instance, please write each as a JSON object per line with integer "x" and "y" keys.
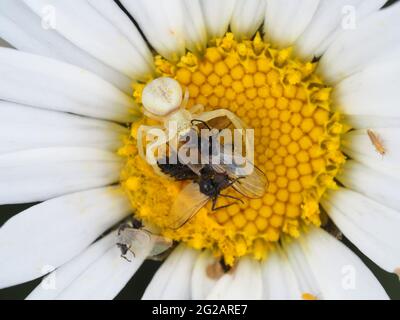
{"x": 163, "y": 100}
{"x": 132, "y": 238}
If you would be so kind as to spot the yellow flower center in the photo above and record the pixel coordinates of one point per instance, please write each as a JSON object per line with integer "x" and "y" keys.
{"x": 297, "y": 146}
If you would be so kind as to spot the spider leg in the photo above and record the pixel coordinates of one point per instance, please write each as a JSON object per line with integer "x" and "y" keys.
{"x": 202, "y": 122}
{"x": 197, "y": 109}
{"x": 185, "y": 98}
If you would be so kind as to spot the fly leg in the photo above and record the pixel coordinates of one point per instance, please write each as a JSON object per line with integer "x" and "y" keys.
{"x": 231, "y": 197}
{"x": 124, "y": 256}
{"x": 124, "y": 250}
{"x": 131, "y": 251}
{"x": 214, "y": 204}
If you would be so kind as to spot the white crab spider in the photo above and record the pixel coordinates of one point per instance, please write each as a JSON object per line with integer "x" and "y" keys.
{"x": 163, "y": 100}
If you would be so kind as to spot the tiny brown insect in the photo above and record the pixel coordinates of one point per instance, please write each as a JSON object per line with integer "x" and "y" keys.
{"x": 215, "y": 270}
{"x": 376, "y": 141}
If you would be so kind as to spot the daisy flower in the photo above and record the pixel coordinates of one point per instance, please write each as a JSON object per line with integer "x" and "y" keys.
{"x": 318, "y": 82}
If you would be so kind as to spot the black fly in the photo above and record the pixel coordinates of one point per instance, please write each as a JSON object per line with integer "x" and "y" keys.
{"x": 211, "y": 183}
{"x": 209, "y": 180}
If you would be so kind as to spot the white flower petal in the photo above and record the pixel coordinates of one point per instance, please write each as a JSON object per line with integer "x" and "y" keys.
{"x": 40, "y": 174}
{"x": 371, "y": 226}
{"x": 195, "y": 29}
{"x": 245, "y": 282}
{"x": 23, "y": 127}
{"x": 100, "y": 272}
{"x": 51, "y": 233}
{"x": 356, "y": 49}
{"x": 84, "y": 26}
{"x": 338, "y": 272}
{"x": 363, "y": 9}
{"x": 222, "y": 289}
{"x": 110, "y": 10}
{"x": 286, "y": 20}
{"x": 172, "y": 280}
{"x": 22, "y": 28}
{"x": 46, "y": 83}
{"x": 106, "y": 277}
{"x": 378, "y": 186}
{"x": 325, "y": 21}
{"x": 162, "y": 22}
{"x": 247, "y": 17}
{"x": 306, "y": 279}
{"x": 366, "y": 121}
{"x": 202, "y": 284}
{"x": 358, "y": 146}
{"x": 365, "y": 93}
{"x": 279, "y": 280}
{"x": 217, "y": 16}
{"x": 4, "y": 43}
{"x": 57, "y": 281}
{"x": 15, "y": 34}
{"x": 329, "y": 20}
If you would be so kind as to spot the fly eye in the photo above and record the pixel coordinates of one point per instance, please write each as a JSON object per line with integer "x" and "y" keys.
{"x": 162, "y": 96}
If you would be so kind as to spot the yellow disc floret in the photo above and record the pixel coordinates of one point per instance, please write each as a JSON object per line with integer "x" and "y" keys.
{"x": 297, "y": 146}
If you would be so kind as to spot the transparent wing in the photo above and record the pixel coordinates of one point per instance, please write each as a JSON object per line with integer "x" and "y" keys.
{"x": 251, "y": 183}
{"x": 161, "y": 245}
{"x": 220, "y": 123}
{"x": 136, "y": 239}
{"x": 189, "y": 201}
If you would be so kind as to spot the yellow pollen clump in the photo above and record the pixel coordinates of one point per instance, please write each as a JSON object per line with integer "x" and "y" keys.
{"x": 309, "y": 296}
{"x": 297, "y": 141}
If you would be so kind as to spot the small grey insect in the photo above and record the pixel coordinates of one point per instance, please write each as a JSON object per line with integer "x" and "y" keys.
{"x": 132, "y": 237}
{"x": 122, "y": 244}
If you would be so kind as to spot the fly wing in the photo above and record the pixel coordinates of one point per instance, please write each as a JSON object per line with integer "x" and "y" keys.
{"x": 142, "y": 239}
{"x": 251, "y": 184}
{"x": 195, "y": 168}
{"x": 135, "y": 239}
{"x": 220, "y": 123}
{"x": 161, "y": 245}
{"x": 189, "y": 201}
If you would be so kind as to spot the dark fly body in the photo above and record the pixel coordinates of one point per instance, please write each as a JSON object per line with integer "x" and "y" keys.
{"x": 211, "y": 182}
{"x": 207, "y": 181}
